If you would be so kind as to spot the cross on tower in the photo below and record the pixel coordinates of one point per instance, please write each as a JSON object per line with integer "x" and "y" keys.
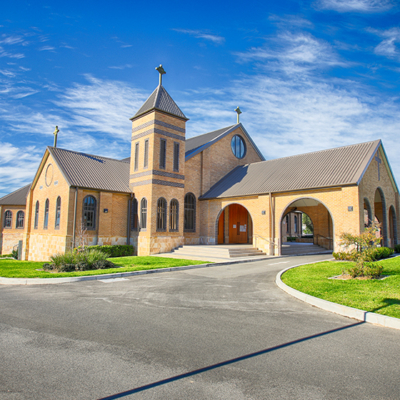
{"x": 237, "y": 109}
{"x": 378, "y": 160}
{"x": 161, "y": 71}
{"x": 55, "y": 133}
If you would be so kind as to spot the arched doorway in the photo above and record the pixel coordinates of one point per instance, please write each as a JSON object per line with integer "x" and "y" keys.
{"x": 234, "y": 225}
{"x": 392, "y": 227}
{"x": 322, "y": 224}
{"x": 367, "y": 213}
{"x": 380, "y": 214}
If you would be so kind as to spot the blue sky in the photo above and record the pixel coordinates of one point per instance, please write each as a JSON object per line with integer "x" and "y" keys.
{"x": 308, "y": 75}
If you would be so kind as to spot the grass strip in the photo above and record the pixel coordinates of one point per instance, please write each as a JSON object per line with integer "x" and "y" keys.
{"x": 378, "y": 296}
{"x": 27, "y": 269}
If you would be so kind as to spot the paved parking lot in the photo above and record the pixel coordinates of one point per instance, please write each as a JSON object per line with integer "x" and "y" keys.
{"x": 214, "y": 333}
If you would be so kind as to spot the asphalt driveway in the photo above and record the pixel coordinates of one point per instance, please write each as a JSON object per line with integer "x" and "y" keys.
{"x": 213, "y": 333}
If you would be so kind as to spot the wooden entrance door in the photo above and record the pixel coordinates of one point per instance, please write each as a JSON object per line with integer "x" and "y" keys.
{"x": 221, "y": 232}
{"x": 238, "y": 224}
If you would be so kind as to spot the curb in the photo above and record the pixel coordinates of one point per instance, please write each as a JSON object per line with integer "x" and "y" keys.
{"x": 52, "y": 281}
{"x": 361, "y": 315}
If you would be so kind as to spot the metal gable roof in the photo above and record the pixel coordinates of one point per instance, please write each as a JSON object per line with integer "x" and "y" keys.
{"x": 326, "y": 168}
{"x": 92, "y": 172}
{"x": 16, "y": 198}
{"x": 160, "y": 100}
{"x": 199, "y": 143}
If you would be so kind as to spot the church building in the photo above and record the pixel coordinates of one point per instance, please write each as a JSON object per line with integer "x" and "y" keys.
{"x": 211, "y": 189}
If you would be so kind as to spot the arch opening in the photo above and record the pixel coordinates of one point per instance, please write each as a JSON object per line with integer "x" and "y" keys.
{"x": 234, "y": 225}
{"x": 317, "y": 227}
{"x": 392, "y": 227}
{"x": 380, "y": 215}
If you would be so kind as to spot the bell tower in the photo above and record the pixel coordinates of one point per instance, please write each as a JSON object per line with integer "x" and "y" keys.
{"x": 157, "y": 172}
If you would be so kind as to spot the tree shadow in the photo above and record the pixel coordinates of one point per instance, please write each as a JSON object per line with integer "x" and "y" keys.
{"x": 387, "y": 303}
{"x": 227, "y": 362}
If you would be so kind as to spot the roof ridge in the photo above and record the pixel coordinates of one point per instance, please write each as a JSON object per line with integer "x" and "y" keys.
{"x": 15, "y": 191}
{"x": 215, "y": 130}
{"x": 317, "y": 151}
{"x": 86, "y": 154}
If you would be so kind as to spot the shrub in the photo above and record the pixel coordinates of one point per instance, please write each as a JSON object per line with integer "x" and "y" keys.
{"x": 380, "y": 252}
{"x": 79, "y": 261}
{"x": 397, "y": 248}
{"x": 14, "y": 254}
{"x": 368, "y": 270}
{"x": 118, "y": 250}
{"x": 291, "y": 238}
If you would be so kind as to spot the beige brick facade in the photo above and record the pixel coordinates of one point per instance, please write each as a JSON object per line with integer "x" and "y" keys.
{"x": 154, "y": 178}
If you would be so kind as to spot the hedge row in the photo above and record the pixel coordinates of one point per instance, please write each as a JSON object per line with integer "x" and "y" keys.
{"x": 118, "y": 250}
{"x": 376, "y": 254}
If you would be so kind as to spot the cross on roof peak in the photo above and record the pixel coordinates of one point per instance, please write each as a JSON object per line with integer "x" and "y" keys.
{"x": 161, "y": 71}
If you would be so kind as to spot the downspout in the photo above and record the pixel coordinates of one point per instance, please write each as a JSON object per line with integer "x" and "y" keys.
{"x": 128, "y": 225}
{"x": 74, "y": 227}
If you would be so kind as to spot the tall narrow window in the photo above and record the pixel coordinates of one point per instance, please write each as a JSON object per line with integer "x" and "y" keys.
{"x": 134, "y": 215}
{"x": 295, "y": 223}
{"x": 136, "y": 156}
{"x": 287, "y": 223}
{"x": 163, "y": 153}
{"x": 173, "y": 216}
{"x": 46, "y": 214}
{"x": 58, "y": 213}
{"x": 190, "y": 213}
{"x": 8, "y": 219}
{"x": 146, "y": 154}
{"x": 89, "y": 212}
{"x": 161, "y": 214}
{"x": 176, "y": 157}
{"x": 143, "y": 212}
{"x": 36, "y": 215}
{"x": 20, "y": 219}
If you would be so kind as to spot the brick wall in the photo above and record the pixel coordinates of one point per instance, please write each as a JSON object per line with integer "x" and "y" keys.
{"x": 9, "y": 237}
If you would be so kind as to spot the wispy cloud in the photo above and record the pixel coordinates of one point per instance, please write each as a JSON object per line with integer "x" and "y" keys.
{"x": 17, "y": 166}
{"x": 367, "y": 6}
{"x": 388, "y": 46}
{"x": 121, "y": 66}
{"x": 46, "y": 48}
{"x": 292, "y": 52}
{"x": 202, "y": 35}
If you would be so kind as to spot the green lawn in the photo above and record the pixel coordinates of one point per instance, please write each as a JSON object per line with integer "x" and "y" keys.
{"x": 379, "y": 296}
{"x": 27, "y": 269}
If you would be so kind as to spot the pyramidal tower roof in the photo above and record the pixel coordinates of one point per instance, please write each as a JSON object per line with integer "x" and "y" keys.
{"x": 162, "y": 101}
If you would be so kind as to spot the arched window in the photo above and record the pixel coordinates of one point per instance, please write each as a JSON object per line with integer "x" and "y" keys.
{"x": 46, "y": 214}
{"x": 36, "y": 215}
{"x": 89, "y": 212}
{"x": 8, "y": 219}
{"x": 134, "y": 215}
{"x": 161, "y": 214}
{"x": 20, "y": 219}
{"x": 190, "y": 213}
{"x": 143, "y": 212}
{"x": 58, "y": 213}
{"x": 174, "y": 215}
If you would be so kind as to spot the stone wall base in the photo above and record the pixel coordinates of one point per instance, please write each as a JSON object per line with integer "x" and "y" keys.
{"x": 9, "y": 240}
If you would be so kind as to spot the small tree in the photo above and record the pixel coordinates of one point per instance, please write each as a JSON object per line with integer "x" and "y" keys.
{"x": 309, "y": 229}
{"x": 81, "y": 236}
{"x": 362, "y": 247}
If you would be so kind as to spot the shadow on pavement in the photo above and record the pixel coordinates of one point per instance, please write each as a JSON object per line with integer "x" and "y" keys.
{"x": 224, "y": 363}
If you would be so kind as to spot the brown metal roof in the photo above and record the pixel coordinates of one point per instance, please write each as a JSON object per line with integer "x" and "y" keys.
{"x": 160, "y": 100}
{"x": 92, "y": 172}
{"x": 326, "y": 168}
{"x": 17, "y": 198}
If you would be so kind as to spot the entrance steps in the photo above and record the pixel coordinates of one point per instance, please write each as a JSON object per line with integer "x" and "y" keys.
{"x": 214, "y": 253}
{"x": 297, "y": 249}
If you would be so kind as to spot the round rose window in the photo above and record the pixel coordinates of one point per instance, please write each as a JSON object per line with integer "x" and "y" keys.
{"x": 238, "y": 146}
